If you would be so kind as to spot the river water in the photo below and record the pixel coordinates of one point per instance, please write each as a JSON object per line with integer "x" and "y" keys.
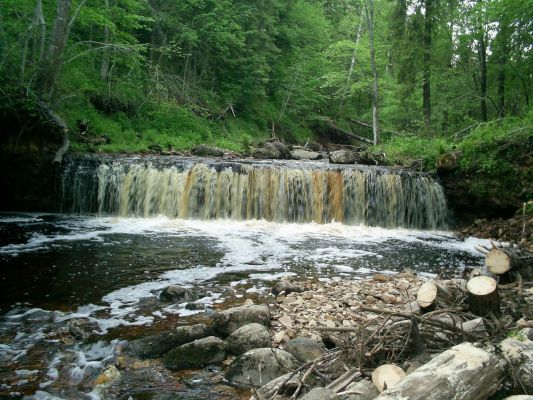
{"x": 131, "y": 226}
{"x": 57, "y": 267}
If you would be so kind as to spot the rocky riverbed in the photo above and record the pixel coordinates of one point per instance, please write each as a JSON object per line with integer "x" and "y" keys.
{"x": 309, "y": 339}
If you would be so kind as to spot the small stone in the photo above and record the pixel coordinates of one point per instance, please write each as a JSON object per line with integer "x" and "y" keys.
{"x": 388, "y": 298}
{"x": 307, "y": 296}
{"x": 402, "y": 284}
{"x": 280, "y": 337}
{"x": 286, "y": 321}
{"x": 248, "y": 302}
{"x": 370, "y": 299}
{"x": 381, "y": 278}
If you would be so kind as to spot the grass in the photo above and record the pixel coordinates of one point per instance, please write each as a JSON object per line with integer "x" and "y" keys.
{"x": 167, "y": 125}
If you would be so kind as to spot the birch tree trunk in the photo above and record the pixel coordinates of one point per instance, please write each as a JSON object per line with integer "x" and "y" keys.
{"x": 426, "y": 85}
{"x": 104, "y": 67}
{"x": 375, "y": 88}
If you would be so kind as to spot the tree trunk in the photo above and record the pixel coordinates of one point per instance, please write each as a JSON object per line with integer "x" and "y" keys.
{"x": 54, "y": 56}
{"x": 482, "y": 73}
{"x": 375, "y": 88}
{"x": 502, "y": 59}
{"x": 352, "y": 64}
{"x": 476, "y": 374}
{"x": 104, "y": 67}
{"x": 426, "y": 85}
{"x": 483, "y": 296}
{"x": 53, "y": 60}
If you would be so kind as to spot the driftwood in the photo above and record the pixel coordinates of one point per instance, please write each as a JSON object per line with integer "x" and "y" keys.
{"x": 483, "y": 296}
{"x": 475, "y": 373}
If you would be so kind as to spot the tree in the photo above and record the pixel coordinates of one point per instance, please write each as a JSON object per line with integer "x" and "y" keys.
{"x": 375, "y": 110}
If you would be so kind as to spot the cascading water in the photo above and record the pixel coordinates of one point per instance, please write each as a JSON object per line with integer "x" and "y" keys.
{"x": 242, "y": 190}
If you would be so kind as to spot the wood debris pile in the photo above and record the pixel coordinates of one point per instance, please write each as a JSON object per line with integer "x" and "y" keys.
{"x": 402, "y": 320}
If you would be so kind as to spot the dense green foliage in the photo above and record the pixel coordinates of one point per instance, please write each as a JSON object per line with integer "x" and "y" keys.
{"x": 231, "y": 72}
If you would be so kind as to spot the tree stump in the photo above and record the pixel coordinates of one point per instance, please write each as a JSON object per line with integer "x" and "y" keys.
{"x": 483, "y": 296}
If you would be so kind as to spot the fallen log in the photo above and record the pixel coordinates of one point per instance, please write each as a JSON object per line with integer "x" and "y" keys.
{"x": 346, "y": 133}
{"x": 504, "y": 260}
{"x": 519, "y": 356}
{"x": 483, "y": 296}
{"x": 463, "y": 372}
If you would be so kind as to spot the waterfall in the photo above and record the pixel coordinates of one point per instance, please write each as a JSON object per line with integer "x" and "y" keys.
{"x": 274, "y": 191}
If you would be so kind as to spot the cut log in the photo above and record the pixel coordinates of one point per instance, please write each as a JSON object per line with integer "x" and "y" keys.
{"x": 429, "y": 293}
{"x": 387, "y": 376}
{"x": 503, "y": 260}
{"x": 483, "y": 296}
{"x": 498, "y": 261}
{"x": 463, "y": 372}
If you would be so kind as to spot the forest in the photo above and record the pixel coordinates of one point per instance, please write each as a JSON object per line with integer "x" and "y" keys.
{"x": 418, "y": 78}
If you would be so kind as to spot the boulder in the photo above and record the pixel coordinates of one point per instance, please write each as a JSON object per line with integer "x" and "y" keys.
{"x": 304, "y": 349}
{"x": 201, "y": 352}
{"x": 227, "y": 321}
{"x": 259, "y": 366}
{"x": 272, "y": 150}
{"x": 267, "y": 151}
{"x": 342, "y": 157}
{"x": 286, "y": 286}
{"x": 203, "y": 150}
{"x": 300, "y": 154}
{"x": 81, "y": 328}
{"x": 157, "y": 345}
{"x": 284, "y": 151}
{"x": 320, "y": 393}
{"x": 248, "y": 337}
{"x": 177, "y": 294}
{"x": 361, "y": 390}
{"x": 195, "y": 306}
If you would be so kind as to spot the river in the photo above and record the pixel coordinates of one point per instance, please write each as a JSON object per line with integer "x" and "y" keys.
{"x": 109, "y": 264}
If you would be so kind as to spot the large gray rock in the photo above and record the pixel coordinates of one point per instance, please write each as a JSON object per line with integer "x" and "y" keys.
{"x": 342, "y": 157}
{"x": 300, "y": 154}
{"x": 304, "y": 349}
{"x": 201, "y": 352}
{"x": 321, "y": 393}
{"x": 272, "y": 150}
{"x": 177, "y": 294}
{"x": 287, "y": 286}
{"x": 267, "y": 151}
{"x": 259, "y": 366}
{"x": 157, "y": 345}
{"x": 227, "y": 321}
{"x": 203, "y": 150}
{"x": 248, "y": 337}
{"x": 362, "y": 390}
{"x": 284, "y": 151}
